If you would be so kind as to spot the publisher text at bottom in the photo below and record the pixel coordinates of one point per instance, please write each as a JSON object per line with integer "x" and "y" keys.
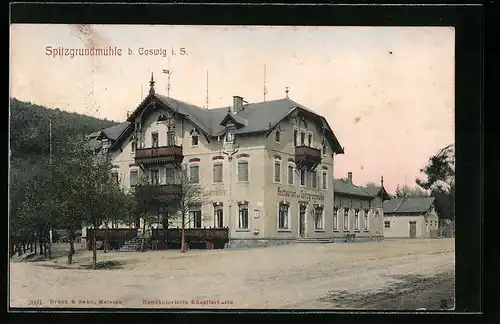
{"x": 194, "y": 302}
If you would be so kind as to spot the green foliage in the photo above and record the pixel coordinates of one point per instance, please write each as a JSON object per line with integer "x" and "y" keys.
{"x": 407, "y": 192}
{"x": 29, "y": 130}
{"x": 440, "y": 179}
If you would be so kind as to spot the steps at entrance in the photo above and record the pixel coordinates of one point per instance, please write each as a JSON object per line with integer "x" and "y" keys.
{"x": 314, "y": 240}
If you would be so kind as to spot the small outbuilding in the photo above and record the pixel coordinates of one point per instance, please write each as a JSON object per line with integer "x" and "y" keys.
{"x": 410, "y": 218}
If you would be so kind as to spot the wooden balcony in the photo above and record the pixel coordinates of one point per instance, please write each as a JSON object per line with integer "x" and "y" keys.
{"x": 166, "y": 190}
{"x": 159, "y": 155}
{"x": 307, "y": 157}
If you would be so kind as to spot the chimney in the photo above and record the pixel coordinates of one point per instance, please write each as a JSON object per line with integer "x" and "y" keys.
{"x": 349, "y": 177}
{"x": 381, "y": 180}
{"x": 237, "y": 104}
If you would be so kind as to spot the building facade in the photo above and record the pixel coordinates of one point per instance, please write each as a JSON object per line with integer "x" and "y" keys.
{"x": 410, "y": 218}
{"x": 357, "y": 210}
{"x": 266, "y": 168}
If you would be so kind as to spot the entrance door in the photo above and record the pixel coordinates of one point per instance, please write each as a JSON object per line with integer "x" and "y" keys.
{"x": 413, "y": 229}
{"x": 302, "y": 221}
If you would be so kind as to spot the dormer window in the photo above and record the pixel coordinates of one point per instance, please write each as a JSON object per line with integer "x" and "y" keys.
{"x": 277, "y": 136}
{"x": 195, "y": 138}
{"x": 229, "y": 136}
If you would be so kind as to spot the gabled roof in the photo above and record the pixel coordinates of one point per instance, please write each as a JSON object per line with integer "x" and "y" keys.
{"x": 377, "y": 191}
{"x": 115, "y": 131}
{"x": 238, "y": 120}
{"x": 408, "y": 205}
{"x": 255, "y": 117}
{"x": 344, "y": 188}
{"x": 112, "y": 133}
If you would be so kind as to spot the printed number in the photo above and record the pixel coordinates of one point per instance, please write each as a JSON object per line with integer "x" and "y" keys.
{"x": 34, "y": 302}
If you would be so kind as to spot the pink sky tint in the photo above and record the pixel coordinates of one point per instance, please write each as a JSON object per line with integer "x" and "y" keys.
{"x": 388, "y": 93}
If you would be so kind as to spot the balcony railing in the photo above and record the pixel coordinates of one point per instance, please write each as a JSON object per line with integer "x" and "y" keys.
{"x": 166, "y": 190}
{"x": 306, "y": 156}
{"x": 158, "y": 155}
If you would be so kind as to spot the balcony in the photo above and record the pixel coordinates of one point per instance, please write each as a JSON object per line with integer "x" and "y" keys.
{"x": 307, "y": 157}
{"x": 159, "y": 155}
{"x": 166, "y": 191}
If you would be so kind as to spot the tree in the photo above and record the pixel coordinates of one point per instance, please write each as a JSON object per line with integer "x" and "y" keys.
{"x": 179, "y": 200}
{"x": 371, "y": 185}
{"x": 90, "y": 190}
{"x": 35, "y": 214}
{"x": 407, "y": 192}
{"x": 440, "y": 180}
{"x": 190, "y": 197}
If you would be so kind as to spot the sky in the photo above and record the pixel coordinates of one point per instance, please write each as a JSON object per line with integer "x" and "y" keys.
{"x": 387, "y": 92}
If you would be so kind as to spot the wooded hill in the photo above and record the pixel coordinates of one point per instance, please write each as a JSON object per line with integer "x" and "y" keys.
{"x": 29, "y": 131}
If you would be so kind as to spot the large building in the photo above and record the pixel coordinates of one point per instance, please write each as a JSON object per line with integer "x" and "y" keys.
{"x": 358, "y": 211}
{"x": 267, "y": 167}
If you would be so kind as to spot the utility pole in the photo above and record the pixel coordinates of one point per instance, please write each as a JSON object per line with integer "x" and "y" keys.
{"x": 168, "y": 72}
{"x": 207, "y": 92}
{"x": 230, "y": 159}
{"x": 50, "y": 181}
{"x": 265, "y": 89}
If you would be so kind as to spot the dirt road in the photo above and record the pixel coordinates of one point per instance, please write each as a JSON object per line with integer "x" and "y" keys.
{"x": 392, "y": 274}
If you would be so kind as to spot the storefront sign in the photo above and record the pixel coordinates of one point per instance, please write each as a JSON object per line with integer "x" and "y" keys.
{"x": 216, "y": 192}
{"x": 302, "y": 194}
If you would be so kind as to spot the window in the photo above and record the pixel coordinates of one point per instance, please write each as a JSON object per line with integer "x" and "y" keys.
{"x": 335, "y": 219}
{"x": 133, "y": 146}
{"x": 387, "y": 224}
{"x": 324, "y": 180}
{"x": 133, "y": 178}
{"x": 169, "y": 174}
{"x": 314, "y": 179}
{"x": 295, "y": 137}
{"x": 194, "y": 139}
{"x": 302, "y": 138}
{"x": 290, "y": 174}
{"x": 277, "y": 171}
{"x": 162, "y": 117}
{"x": 356, "y": 220}
{"x": 243, "y": 216}
{"x": 310, "y": 139}
{"x": 346, "y": 219}
{"x": 283, "y": 216}
{"x": 171, "y": 135}
{"x": 318, "y": 218}
{"x": 155, "y": 177}
{"x": 277, "y": 135}
{"x": 195, "y": 218}
{"x": 217, "y": 172}
{"x": 114, "y": 177}
{"x": 194, "y": 173}
{"x": 302, "y": 177}
{"x": 219, "y": 217}
{"x": 323, "y": 147}
{"x": 154, "y": 139}
{"x": 243, "y": 171}
{"x": 366, "y": 220}
{"x": 229, "y": 137}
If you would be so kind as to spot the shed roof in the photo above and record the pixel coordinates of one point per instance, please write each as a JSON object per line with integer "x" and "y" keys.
{"x": 408, "y": 205}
